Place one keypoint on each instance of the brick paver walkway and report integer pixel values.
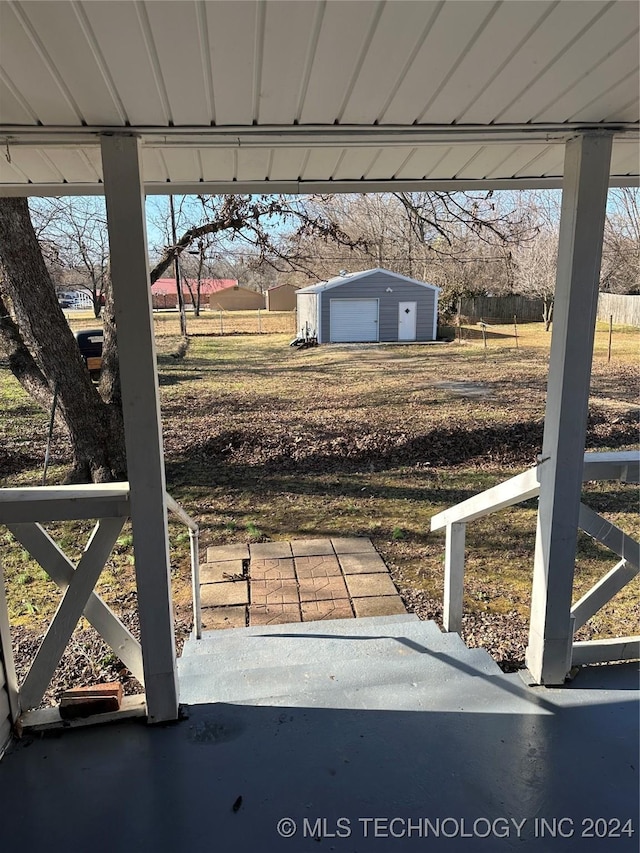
(300, 581)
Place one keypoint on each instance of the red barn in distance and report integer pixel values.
(164, 293)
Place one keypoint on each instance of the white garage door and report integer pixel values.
(354, 320)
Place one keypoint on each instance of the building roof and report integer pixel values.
(338, 280)
(328, 97)
(207, 285)
(278, 286)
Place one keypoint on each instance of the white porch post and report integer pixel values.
(141, 409)
(584, 198)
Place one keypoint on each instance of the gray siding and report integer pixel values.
(375, 286)
(307, 313)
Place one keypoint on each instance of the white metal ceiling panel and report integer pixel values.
(131, 59)
(505, 32)
(549, 162)
(182, 164)
(546, 43)
(576, 61)
(82, 69)
(11, 174)
(625, 158)
(321, 163)
(154, 167)
(32, 72)
(233, 30)
(344, 31)
(286, 164)
(218, 164)
(453, 32)
(486, 161)
(625, 92)
(178, 42)
(454, 161)
(253, 164)
(354, 164)
(34, 165)
(13, 110)
(285, 59)
(590, 88)
(421, 160)
(399, 32)
(520, 156)
(387, 163)
(71, 165)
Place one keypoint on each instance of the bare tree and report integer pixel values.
(535, 271)
(72, 233)
(39, 345)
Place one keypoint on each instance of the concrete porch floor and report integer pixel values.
(412, 727)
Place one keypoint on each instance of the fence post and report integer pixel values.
(259, 323)
(610, 336)
(454, 576)
(515, 326)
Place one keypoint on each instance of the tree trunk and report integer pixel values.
(547, 312)
(95, 428)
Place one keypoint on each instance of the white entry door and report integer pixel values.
(407, 314)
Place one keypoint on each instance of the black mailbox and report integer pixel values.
(90, 346)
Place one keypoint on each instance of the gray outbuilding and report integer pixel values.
(372, 305)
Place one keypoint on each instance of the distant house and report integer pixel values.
(236, 298)
(165, 295)
(282, 297)
(372, 305)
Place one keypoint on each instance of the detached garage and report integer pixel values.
(373, 305)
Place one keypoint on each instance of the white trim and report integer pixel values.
(121, 163)
(318, 318)
(340, 280)
(584, 201)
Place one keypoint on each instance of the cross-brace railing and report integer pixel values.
(22, 511)
(623, 466)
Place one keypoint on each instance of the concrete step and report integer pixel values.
(410, 681)
(325, 626)
(376, 641)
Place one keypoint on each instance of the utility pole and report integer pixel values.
(176, 266)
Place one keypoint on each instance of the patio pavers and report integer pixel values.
(366, 585)
(317, 567)
(226, 592)
(275, 583)
(322, 588)
(352, 545)
(379, 605)
(274, 614)
(218, 553)
(312, 547)
(225, 570)
(270, 550)
(215, 618)
(358, 564)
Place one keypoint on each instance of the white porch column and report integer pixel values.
(584, 198)
(141, 409)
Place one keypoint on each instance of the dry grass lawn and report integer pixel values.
(266, 442)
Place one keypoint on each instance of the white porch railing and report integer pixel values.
(22, 510)
(623, 466)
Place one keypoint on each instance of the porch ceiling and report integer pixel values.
(314, 96)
